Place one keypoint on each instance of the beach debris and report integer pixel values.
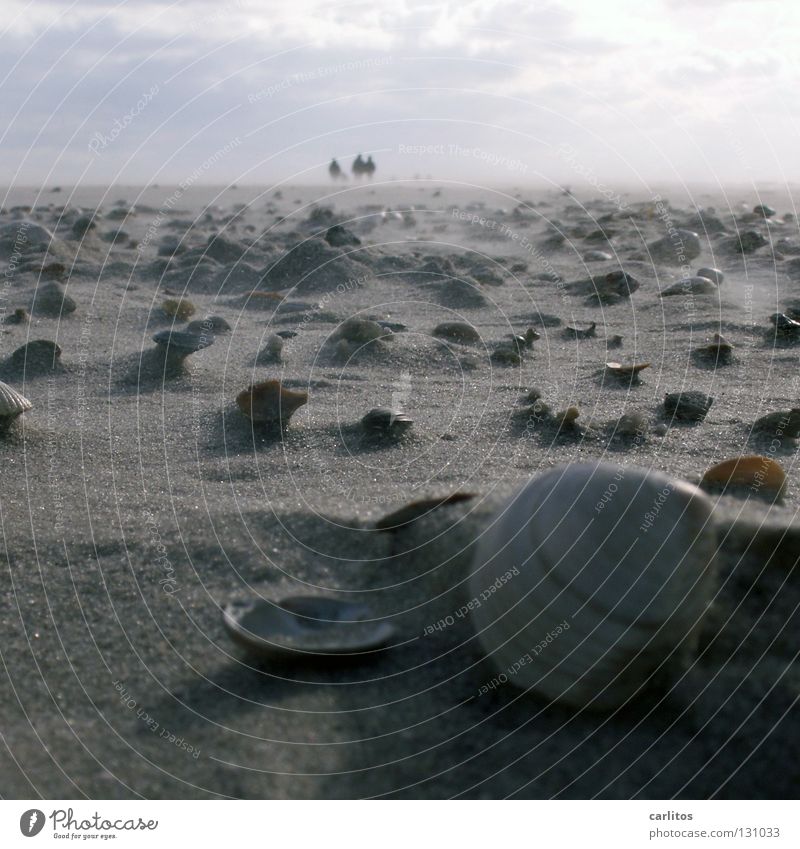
(615, 284)
(213, 324)
(36, 355)
(177, 345)
(586, 332)
(785, 326)
(753, 472)
(748, 242)
(507, 354)
(270, 403)
(340, 237)
(531, 336)
(361, 331)
(458, 331)
(51, 299)
(394, 326)
(597, 610)
(719, 349)
(763, 211)
(690, 286)
(626, 369)
(687, 406)
(179, 308)
(597, 256)
(19, 316)
(12, 405)
(676, 248)
(386, 422)
(632, 423)
(305, 627)
(287, 334)
(712, 274)
(567, 419)
(271, 352)
(83, 225)
(614, 341)
(417, 509)
(783, 424)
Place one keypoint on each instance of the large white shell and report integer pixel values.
(590, 578)
(12, 403)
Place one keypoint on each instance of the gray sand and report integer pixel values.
(118, 679)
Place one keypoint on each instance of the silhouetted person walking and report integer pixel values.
(334, 169)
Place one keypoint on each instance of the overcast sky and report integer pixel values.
(504, 92)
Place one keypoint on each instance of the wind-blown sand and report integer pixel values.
(133, 504)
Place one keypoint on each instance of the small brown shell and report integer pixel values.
(12, 403)
(752, 470)
(269, 402)
(417, 509)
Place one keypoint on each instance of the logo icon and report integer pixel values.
(31, 822)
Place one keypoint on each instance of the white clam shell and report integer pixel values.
(611, 571)
(12, 403)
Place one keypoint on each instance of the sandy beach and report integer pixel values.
(137, 500)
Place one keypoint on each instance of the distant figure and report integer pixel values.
(369, 167)
(358, 166)
(334, 169)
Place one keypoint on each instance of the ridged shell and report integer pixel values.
(589, 578)
(270, 403)
(12, 403)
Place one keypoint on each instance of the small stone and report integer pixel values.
(687, 406)
(763, 211)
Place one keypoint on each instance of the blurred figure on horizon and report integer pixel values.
(335, 170)
(358, 166)
(369, 167)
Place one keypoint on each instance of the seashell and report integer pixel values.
(597, 256)
(37, 355)
(592, 577)
(458, 331)
(51, 299)
(19, 316)
(305, 626)
(361, 331)
(180, 308)
(393, 326)
(687, 406)
(567, 418)
(785, 326)
(385, 421)
(615, 284)
(676, 248)
(712, 274)
(271, 352)
(417, 509)
(785, 423)
(581, 332)
(719, 348)
(631, 424)
(211, 324)
(748, 241)
(177, 345)
(531, 336)
(763, 211)
(287, 334)
(752, 471)
(626, 370)
(507, 355)
(12, 405)
(690, 286)
(270, 403)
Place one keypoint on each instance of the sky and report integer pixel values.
(493, 92)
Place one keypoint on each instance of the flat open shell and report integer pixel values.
(627, 368)
(303, 626)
